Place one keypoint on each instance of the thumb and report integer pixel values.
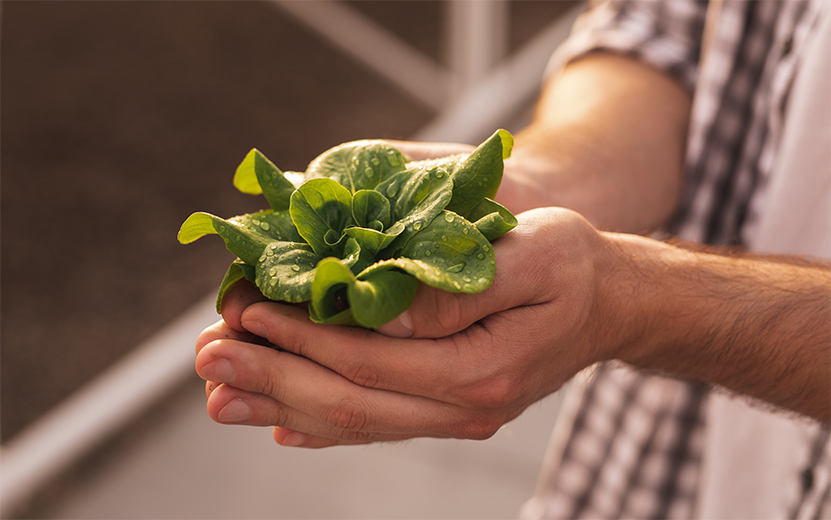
(436, 313)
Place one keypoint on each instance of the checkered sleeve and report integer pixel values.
(665, 35)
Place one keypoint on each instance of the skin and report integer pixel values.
(607, 142)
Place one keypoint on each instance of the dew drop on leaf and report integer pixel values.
(480, 256)
(486, 248)
(392, 189)
(444, 238)
(266, 226)
(272, 271)
(466, 278)
(417, 225)
(369, 172)
(449, 217)
(456, 268)
(295, 268)
(375, 161)
(465, 231)
(273, 281)
(427, 253)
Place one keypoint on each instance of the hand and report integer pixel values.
(472, 363)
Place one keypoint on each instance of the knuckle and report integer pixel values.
(483, 427)
(447, 311)
(363, 374)
(496, 393)
(349, 416)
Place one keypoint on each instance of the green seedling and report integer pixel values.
(355, 233)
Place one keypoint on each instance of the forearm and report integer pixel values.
(756, 326)
(607, 141)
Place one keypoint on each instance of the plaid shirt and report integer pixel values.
(630, 445)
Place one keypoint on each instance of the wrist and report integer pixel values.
(637, 294)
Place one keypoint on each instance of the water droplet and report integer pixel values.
(439, 174)
(479, 183)
(436, 245)
(375, 161)
(266, 226)
(417, 225)
(466, 231)
(480, 256)
(272, 271)
(272, 246)
(295, 268)
(273, 281)
(486, 248)
(467, 272)
(483, 280)
(369, 172)
(449, 217)
(456, 268)
(269, 252)
(427, 253)
(466, 278)
(392, 189)
(444, 238)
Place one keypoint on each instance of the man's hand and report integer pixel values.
(473, 363)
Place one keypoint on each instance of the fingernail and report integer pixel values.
(236, 410)
(220, 370)
(400, 327)
(255, 327)
(294, 439)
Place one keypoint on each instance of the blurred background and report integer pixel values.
(120, 118)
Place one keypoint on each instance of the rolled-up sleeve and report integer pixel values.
(666, 34)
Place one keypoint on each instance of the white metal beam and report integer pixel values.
(486, 104)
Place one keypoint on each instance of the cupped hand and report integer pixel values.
(471, 363)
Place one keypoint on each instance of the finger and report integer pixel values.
(236, 299)
(293, 438)
(420, 367)
(317, 400)
(221, 330)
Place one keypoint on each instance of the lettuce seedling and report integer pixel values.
(355, 233)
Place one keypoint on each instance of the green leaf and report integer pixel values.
(358, 165)
(480, 174)
(374, 241)
(416, 197)
(370, 206)
(370, 302)
(492, 219)
(236, 272)
(256, 175)
(450, 254)
(245, 243)
(321, 209)
(276, 225)
(285, 271)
